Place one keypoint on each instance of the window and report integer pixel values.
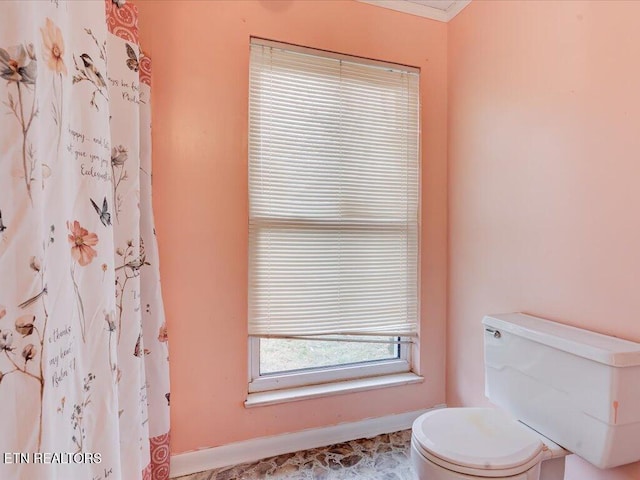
(333, 216)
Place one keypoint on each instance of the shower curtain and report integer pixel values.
(84, 388)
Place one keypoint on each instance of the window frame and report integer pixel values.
(408, 346)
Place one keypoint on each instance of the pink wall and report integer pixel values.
(544, 204)
(200, 54)
(543, 120)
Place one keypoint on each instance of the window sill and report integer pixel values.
(273, 397)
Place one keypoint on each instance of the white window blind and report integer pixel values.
(333, 186)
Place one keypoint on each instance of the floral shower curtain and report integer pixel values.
(84, 390)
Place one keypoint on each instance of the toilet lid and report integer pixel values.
(476, 438)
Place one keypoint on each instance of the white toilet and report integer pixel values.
(560, 390)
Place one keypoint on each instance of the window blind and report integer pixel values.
(333, 194)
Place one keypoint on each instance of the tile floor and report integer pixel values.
(385, 457)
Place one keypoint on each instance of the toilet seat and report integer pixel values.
(483, 442)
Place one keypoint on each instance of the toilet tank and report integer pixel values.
(578, 388)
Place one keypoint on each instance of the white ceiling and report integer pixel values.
(442, 10)
(439, 4)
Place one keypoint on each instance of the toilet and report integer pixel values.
(559, 390)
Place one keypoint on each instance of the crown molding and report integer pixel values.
(421, 10)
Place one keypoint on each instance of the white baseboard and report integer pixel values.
(264, 447)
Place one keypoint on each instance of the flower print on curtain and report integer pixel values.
(18, 68)
(53, 55)
(82, 252)
(83, 338)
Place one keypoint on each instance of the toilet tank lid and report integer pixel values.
(601, 348)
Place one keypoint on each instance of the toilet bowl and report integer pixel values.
(481, 443)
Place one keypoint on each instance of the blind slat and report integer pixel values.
(333, 195)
